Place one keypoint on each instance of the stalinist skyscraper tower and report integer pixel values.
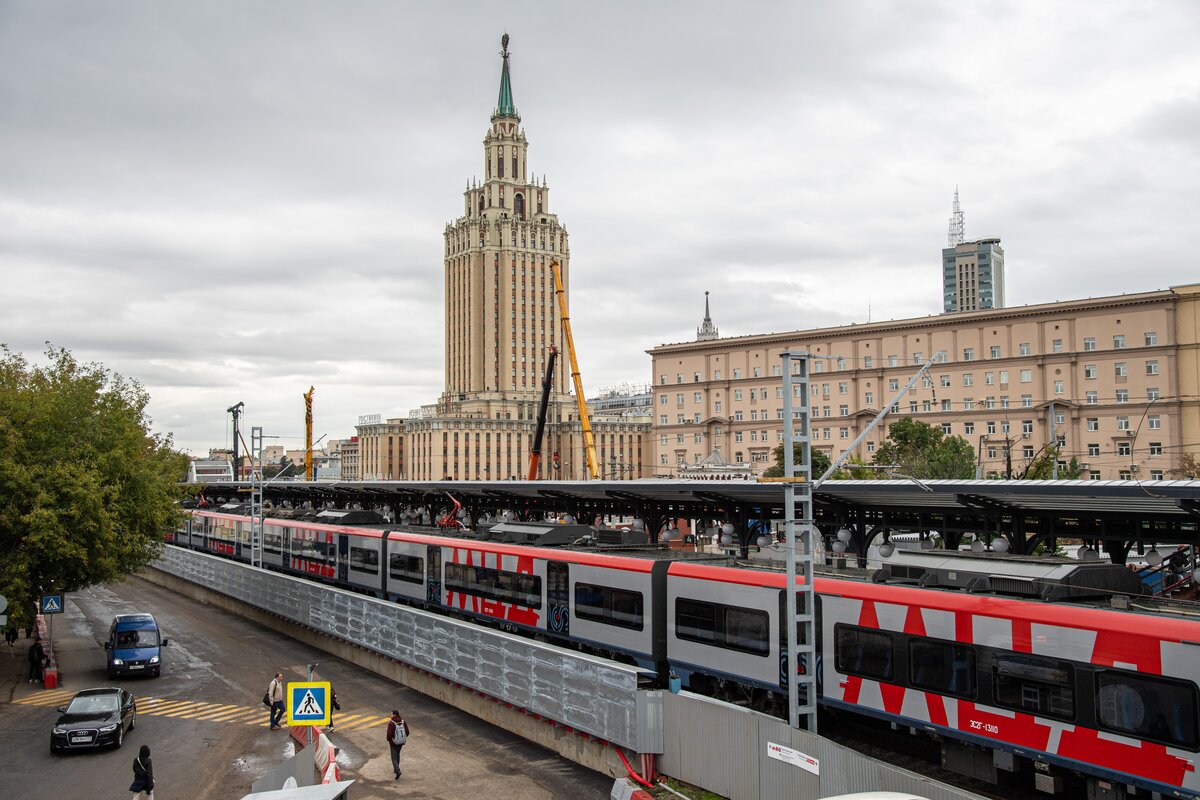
(501, 321)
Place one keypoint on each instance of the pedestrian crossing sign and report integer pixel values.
(52, 603)
(309, 703)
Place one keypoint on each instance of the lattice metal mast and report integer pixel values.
(957, 234)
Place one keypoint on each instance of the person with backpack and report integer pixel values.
(397, 736)
(37, 660)
(274, 700)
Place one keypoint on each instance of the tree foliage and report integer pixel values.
(923, 451)
(1041, 468)
(820, 461)
(86, 490)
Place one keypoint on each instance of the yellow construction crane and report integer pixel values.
(589, 441)
(308, 442)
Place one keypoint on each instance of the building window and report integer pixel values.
(989, 378)
(1154, 422)
(1119, 342)
(1151, 338)
(917, 357)
(946, 406)
(1151, 367)
(969, 428)
(892, 361)
(1122, 423)
(991, 453)
(1156, 474)
(737, 416)
(991, 427)
(843, 433)
(1125, 475)
(1156, 448)
(1026, 376)
(818, 365)
(1093, 424)
(662, 420)
(1027, 451)
(1089, 344)
(1026, 426)
(1120, 369)
(1089, 372)
(1093, 450)
(679, 377)
(968, 404)
(737, 394)
(868, 362)
(716, 375)
(717, 407)
(843, 410)
(1024, 348)
(1056, 346)
(737, 373)
(1122, 395)
(869, 397)
(1026, 401)
(1092, 398)
(968, 354)
(843, 387)
(968, 379)
(737, 437)
(946, 428)
(894, 385)
(1152, 393)
(995, 351)
(695, 377)
(758, 372)
(698, 397)
(870, 447)
(1059, 387)
(696, 439)
(1123, 448)
(945, 381)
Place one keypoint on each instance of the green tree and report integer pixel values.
(86, 490)
(285, 469)
(820, 462)
(1041, 468)
(923, 451)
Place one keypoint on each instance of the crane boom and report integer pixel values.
(589, 441)
(535, 452)
(308, 442)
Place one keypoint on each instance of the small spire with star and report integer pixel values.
(505, 106)
(706, 330)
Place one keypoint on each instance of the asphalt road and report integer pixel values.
(207, 728)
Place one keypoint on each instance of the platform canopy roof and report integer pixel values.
(1115, 501)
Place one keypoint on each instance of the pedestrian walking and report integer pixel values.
(334, 705)
(275, 695)
(37, 660)
(10, 635)
(397, 736)
(143, 776)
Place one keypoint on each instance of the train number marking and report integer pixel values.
(986, 727)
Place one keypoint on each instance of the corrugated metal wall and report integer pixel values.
(587, 693)
(723, 748)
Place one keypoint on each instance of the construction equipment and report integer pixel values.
(589, 441)
(308, 442)
(535, 452)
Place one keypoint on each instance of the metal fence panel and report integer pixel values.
(723, 748)
(589, 694)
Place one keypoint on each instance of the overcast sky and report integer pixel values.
(234, 200)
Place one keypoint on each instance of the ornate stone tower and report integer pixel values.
(500, 308)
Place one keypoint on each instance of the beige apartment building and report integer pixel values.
(501, 318)
(1116, 378)
(349, 454)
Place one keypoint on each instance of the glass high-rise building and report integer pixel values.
(973, 276)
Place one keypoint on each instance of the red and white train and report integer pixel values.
(1064, 695)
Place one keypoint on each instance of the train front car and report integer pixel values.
(1078, 695)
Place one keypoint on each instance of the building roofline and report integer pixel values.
(944, 320)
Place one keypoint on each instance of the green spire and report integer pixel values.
(504, 106)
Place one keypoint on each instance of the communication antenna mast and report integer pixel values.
(957, 234)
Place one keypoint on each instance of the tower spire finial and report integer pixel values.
(706, 330)
(505, 106)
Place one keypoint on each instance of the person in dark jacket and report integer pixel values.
(37, 660)
(397, 736)
(143, 776)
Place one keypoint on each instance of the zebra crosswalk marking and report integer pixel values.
(187, 709)
(360, 724)
(51, 698)
(220, 711)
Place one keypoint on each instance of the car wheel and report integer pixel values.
(133, 720)
(120, 736)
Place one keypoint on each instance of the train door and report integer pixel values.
(343, 557)
(558, 597)
(433, 575)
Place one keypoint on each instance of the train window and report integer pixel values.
(1034, 684)
(518, 588)
(1158, 709)
(942, 667)
(746, 630)
(695, 621)
(609, 606)
(364, 559)
(406, 568)
(865, 652)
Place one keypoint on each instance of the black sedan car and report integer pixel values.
(94, 718)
